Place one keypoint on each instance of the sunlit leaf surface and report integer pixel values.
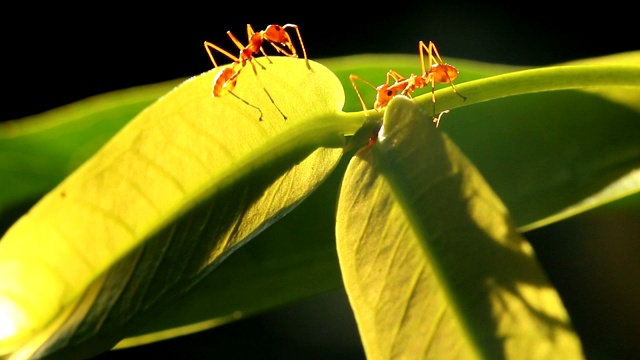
(548, 155)
(431, 261)
(160, 205)
(542, 153)
(38, 151)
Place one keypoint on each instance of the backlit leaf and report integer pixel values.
(432, 263)
(181, 187)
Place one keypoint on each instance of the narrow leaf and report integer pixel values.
(431, 261)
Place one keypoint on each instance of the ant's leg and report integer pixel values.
(431, 49)
(264, 53)
(257, 62)
(280, 40)
(433, 99)
(304, 51)
(208, 46)
(274, 103)
(456, 90)
(397, 77)
(246, 102)
(235, 40)
(433, 94)
(421, 48)
(402, 84)
(434, 50)
(255, 71)
(242, 49)
(437, 120)
(354, 77)
(280, 49)
(250, 31)
(225, 82)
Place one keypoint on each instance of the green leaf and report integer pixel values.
(133, 225)
(293, 259)
(518, 142)
(552, 155)
(39, 151)
(552, 141)
(432, 263)
(627, 96)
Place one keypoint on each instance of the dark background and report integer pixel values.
(52, 57)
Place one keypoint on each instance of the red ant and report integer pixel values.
(386, 91)
(436, 72)
(275, 35)
(225, 81)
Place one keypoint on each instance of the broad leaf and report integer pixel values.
(38, 151)
(432, 263)
(548, 155)
(494, 134)
(554, 154)
(181, 187)
(293, 259)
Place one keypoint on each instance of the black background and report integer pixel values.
(54, 56)
(51, 57)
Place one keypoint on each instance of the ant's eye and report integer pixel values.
(277, 27)
(389, 93)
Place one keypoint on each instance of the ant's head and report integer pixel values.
(277, 34)
(385, 94)
(443, 73)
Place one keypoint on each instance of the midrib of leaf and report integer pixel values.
(349, 127)
(614, 77)
(552, 78)
(280, 144)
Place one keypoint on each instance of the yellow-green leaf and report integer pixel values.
(182, 186)
(431, 260)
(38, 151)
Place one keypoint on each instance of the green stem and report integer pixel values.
(550, 78)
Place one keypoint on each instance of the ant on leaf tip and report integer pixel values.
(225, 81)
(275, 35)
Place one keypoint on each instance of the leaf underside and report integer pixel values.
(542, 153)
(180, 188)
(431, 261)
